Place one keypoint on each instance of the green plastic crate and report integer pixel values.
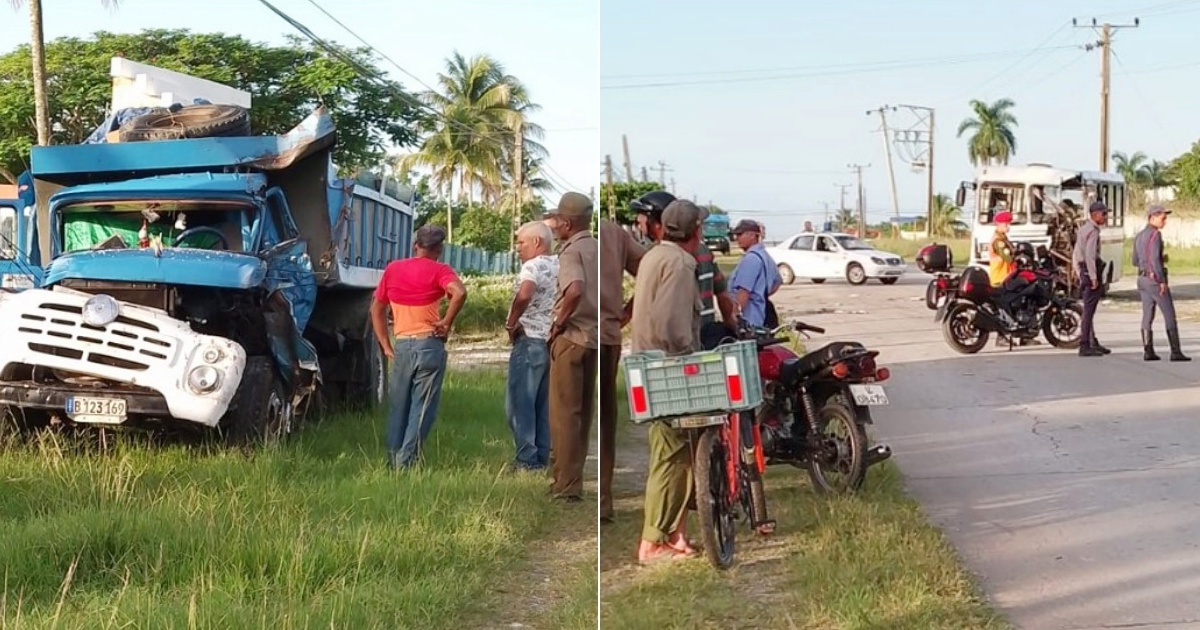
(724, 379)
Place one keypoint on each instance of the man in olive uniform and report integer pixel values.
(1150, 261)
(1086, 258)
(666, 317)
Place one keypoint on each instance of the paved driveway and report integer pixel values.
(1071, 486)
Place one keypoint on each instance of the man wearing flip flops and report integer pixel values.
(666, 317)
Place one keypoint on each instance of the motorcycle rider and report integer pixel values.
(1003, 273)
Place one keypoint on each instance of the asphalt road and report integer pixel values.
(1069, 485)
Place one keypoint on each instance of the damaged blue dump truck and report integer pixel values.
(217, 282)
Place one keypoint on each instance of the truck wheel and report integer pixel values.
(193, 121)
(376, 385)
(12, 425)
(259, 413)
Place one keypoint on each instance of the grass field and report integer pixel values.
(864, 562)
(312, 534)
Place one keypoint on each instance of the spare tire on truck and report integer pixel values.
(192, 121)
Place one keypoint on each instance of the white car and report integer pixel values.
(819, 257)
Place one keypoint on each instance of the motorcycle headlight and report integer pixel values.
(204, 379)
(100, 310)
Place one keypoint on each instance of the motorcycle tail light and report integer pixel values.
(883, 374)
(866, 366)
(942, 283)
(841, 370)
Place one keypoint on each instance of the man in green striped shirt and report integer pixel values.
(714, 289)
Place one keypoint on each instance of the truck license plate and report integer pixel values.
(869, 395)
(97, 410)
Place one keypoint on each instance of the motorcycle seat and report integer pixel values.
(792, 371)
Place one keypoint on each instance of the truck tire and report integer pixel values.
(193, 121)
(372, 389)
(259, 412)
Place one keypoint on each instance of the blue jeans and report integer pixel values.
(416, 389)
(527, 403)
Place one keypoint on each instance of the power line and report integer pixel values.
(374, 74)
(833, 71)
(1042, 46)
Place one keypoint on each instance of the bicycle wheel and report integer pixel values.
(713, 504)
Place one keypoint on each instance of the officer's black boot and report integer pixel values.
(1176, 352)
(1148, 346)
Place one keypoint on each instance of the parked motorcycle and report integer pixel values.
(938, 261)
(816, 407)
(1033, 301)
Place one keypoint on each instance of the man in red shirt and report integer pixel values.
(412, 289)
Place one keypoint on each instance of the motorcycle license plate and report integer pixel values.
(697, 422)
(869, 395)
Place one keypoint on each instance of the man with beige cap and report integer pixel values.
(666, 317)
(574, 345)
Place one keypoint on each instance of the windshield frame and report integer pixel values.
(242, 206)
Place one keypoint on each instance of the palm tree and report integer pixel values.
(41, 102)
(993, 141)
(1159, 174)
(845, 219)
(945, 217)
(1134, 168)
(473, 143)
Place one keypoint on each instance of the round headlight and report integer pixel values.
(204, 379)
(212, 354)
(100, 310)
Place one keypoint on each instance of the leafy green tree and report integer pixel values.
(992, 140)
(845, 219)
(946, 216)
(615, 199)
(1185, 169)
(286, 82)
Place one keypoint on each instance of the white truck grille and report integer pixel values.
(57, 329)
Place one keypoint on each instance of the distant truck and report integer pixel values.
(218, 282)
(716, 232)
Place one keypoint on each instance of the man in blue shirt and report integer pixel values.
(755, 277)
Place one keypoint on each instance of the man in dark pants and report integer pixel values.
(619, 254)
(1086, 258)
(1152, 284)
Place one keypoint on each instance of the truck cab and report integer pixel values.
(181, 284)
(716, 233)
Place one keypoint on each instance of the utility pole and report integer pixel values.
(861, 205)
(672, 185)
(645, 177)
(914, 136)
(628, 163)
(887, 152)
(518, 180)
(662, 173)
(1105, 46)
(842, 204)
(608, 179)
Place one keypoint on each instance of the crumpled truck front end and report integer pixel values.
(92, 359)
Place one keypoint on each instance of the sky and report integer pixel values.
(552, 46)
(759, 106)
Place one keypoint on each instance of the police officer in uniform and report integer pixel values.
(1086, 258)
(1150, 261)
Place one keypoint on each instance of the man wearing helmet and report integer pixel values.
(713, 286)
(1002, 263)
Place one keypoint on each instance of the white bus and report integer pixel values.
(1043, 198)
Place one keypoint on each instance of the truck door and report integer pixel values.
(290, 277)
